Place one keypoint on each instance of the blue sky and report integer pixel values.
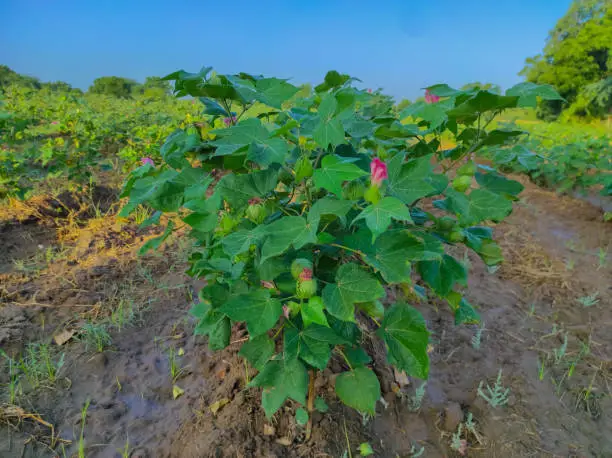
(401, 46)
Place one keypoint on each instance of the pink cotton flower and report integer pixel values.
(306, 274)
(147, 160)
(369, 91)
(286, 311)
(54, 122)
(228, 121)
(378, 172)
(431, 98)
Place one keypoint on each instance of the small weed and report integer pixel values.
(602, 256)
(457, 444)
(560, 352)
(570, 263)
(141, 214)
(81, 449)
(175, 368)
(416, 450)
(123, 315)
(96, 336)
(414, 403)
(125, 452)
(477, 337)
(496, 396)
(13, 378)
(589, 301)
(38, 365)
(532, 309)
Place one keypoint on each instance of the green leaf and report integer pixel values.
(238, 189)
(397, 130)
(405, 334)
(422, 246)
(257, 308)
(390, 256)
(313, 344)
(321, 405)
(480, 205)
(466, 314)
(359, 389)
(498, 137)
(281, 380)
(270, 151)
(528, 93)
(334, 171)
(154, 243)
(442, 274)
(357, 356)
(365, 449)
(433, 113)
(201, 222)
(236, 137)
(329, 129)
(499, 184)
(212, 107)
(273, 91)
(378, 216)
(353, 284)
(328, 206)
(301, 416)
(312, 312)
(215, 325)
(258, 350)
(412, 180)
(238, 242)
(482, 102)
(333, 79)
(285, 232)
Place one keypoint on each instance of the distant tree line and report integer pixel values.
(115, 86)
(577, 61)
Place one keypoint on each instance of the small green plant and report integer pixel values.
(477, 337)
(174, 364)
(323, 206)
(496, 396)
(13, 382)
(96, 336)
(81, 445)
(414, 403)
(123, 314)
(365, 449)
(559, 353)
(457, 444)
(38, 364)
(602, 256)
(416, 450)
(570, 263)
(589, 301)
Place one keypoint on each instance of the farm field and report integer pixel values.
(114, 343)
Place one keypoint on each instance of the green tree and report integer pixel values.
(404, 103)
(114, 86)
(154, 87)
(577, 52)
(9, 76)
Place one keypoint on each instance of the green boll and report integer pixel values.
(294, 308)
(462, 183)
(303, 168)
(306, 288)
(456, 236)
(256, 213)
(354, 190)
(298, 265)
(468, 169)
(445, 223)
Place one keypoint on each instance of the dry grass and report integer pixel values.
(528, 264)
